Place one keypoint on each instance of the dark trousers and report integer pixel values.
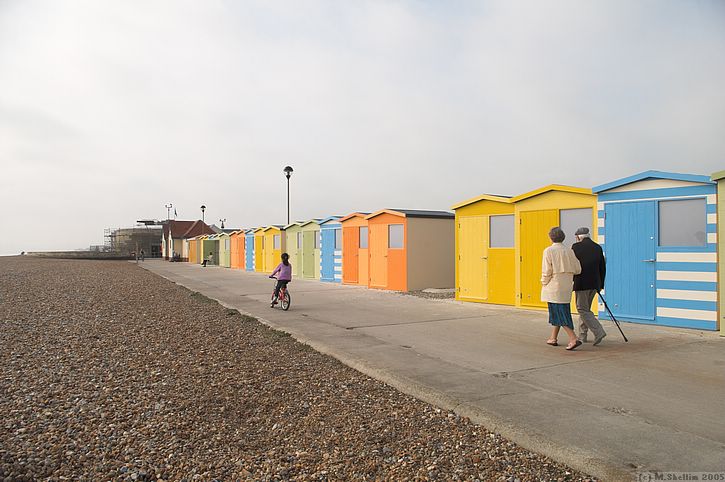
(282, 283)
(587, 320)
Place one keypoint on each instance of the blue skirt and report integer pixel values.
(560, 315)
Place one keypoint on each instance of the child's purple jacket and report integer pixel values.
(285, 272)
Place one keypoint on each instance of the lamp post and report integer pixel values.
(168, 210)
(203, 208)
(223, 221)
(288, 173)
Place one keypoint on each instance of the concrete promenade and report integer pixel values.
(655, 403)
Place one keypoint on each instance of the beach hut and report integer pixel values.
(200, 248)
(273, 246)
(719, 177)
(210, 245)
(249, 249)
(192, 249)
(485, 256)
(225, 250)
(331, 250)
(659, 234)
(411, 250)
(237, 249)
(259, 250)
(536, 212)
(293, 235)
(355, 249)
(310, 253)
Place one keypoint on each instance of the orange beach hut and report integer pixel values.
(237, 249)
(355, 249)
(410, 249)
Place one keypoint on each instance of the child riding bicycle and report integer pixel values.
(285, 276)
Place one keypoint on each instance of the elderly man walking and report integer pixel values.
(588, 283)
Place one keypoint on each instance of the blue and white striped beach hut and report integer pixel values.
(249, 249)
(331, 250)
(659, 234)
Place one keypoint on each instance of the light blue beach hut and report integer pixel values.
(331, 250)
(249, 249)
(659, 234)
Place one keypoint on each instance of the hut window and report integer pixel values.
(683, 222)
(395, 236)
(338, 239)
(299, 240)
(317, 239)
(572, 219)
(226, 244)
(276, 240)
(363, 237)
(502, 231)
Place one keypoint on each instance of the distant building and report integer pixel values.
(174, 234)
(132, 240)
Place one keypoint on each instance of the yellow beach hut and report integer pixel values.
(192, 250)
(273, 246)
(536, 212)
(259, 250)
(485, 250)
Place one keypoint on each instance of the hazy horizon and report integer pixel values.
(110, 110)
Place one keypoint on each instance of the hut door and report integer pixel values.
(350, 254)
(327, 254)
(363, 258)
(379, 255)
(258, 259)
(308, 254)
(534, 236)
(473, 257)
(630, 251)
(249, 252)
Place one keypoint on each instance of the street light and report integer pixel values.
(203, 208)
(168, 210)
(288, 173)
(223, 221)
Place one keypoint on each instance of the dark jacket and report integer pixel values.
(594, 267)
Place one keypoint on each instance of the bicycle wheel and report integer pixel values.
(286, 301)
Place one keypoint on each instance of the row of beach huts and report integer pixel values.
(659, 231)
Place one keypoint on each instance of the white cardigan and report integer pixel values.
(558, 267)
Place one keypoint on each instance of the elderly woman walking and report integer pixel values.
(558, 267)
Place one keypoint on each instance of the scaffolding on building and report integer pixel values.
(128, 241)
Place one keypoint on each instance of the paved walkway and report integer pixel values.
(655, 403)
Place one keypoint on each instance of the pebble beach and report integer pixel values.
(109, 372)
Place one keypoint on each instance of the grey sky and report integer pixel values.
(109, 110)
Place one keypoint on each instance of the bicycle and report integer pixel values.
(284, 297)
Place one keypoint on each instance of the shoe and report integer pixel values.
(599, 339)
(574, 346)
(552, 343)
(583, 339)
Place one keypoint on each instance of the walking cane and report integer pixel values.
(610, 314)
